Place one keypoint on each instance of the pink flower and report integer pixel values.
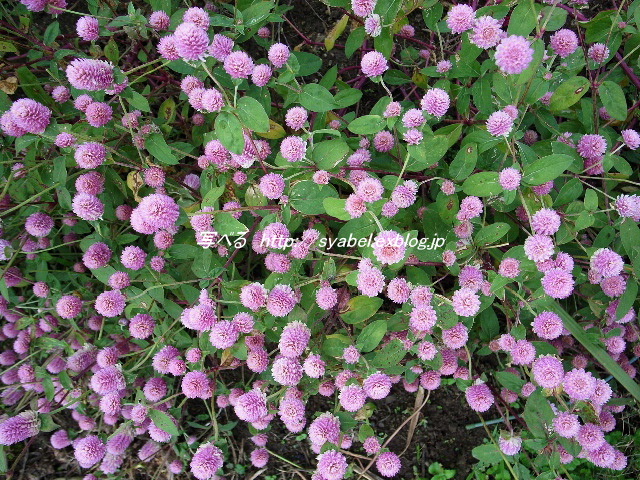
(522, 353)
(373, 64)
(69, 306)
(142, 325)
(631, 138)
(510, 445)
(98, 114)
(413, 136)
(558, 283)
(30, 116)
(373, 25)
(362, 8)
(435, 102)
(545, 221)
(287, 371)
(296, 117)
(509, 267)
(159, 20)
(221, 47)
(389, 247)
(326, 297)
(332, 465)
(383, 141)
(479, 397)
(370, 281)
(191, 41)
(499, 124)
(547, 371)
(377, 385)
(510, 178)
(272, 185)
(278, 54)
(238, 65)
(38, 224)
(352, 398)
(110, 303)
(486, 32)
(294, 339)
(547, 325)
(90, 74)
(592, 146)
(566, 424)
(197, 385)
(224, 334)
(598, 52)
(88, 28)
(465, 302)
(90, 155)
(590, 437)
(579, 384)
(513, 54)
(281, 300)
(19, 428)
(198, 16)
(606, 263)
(388, 464)
(398, 290)
(89, 450)
(539, 248)
(456, 336)
(293, 148)
(207, 460)
(460, 18)
(564, 42)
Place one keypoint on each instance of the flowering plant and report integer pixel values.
(211, 230)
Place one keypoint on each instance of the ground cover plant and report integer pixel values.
(231, 244)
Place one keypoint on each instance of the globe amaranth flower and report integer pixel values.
(9, 125)
(191, 41)
(435, 102)
(159, 20)
(98, 114)
(272, 185)
(466, 302)
(221, 47)
(88, 28)
(592, 146)
(398, 290)
(373, 25)
(90, 74)
(413, 136)
(631, 138)
(294, 339)
(261, 75)
(141, 326)
(238, 65)
(513, 54)
(370, 281)
(510, 178)
(167, 48)
(97, 255)
(19, 428)
(598, 52)
(460, 18)
(89, 451)
(486, 32)
(287, 371)
(510, 444)
(69, 306)
(377, 385)
(479, 397)
(30, 116)
(293, 148)
(90, 155)
(197, 385)
(566, 424)
(278, 54)
(155, 212)
(456, 336)
(564, 42)
(547, 371)
(388, 464)
(198, 16)
(332, 465)
(579, 384)
(538, 248)
(389, 247)
(545, 221)
(38, 224)
(326, 297)
(281, 300)
(60, 94)
(499, 124)
(362, 8)
(207, 460)
(352, 398)
(373, 64)
(606, 263)
(110, 303)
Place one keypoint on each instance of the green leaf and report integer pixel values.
(390, 355)
(568, 93)
(31, 86)
(464, 163)
(627, 299)
(316, 98)
(212, 195)
(613, 99)
(51, 33)
(157, 146)
(225, 224)
(252, 114)
(538, 413)
(482, 184)
(488, 453)
(546, 169)
(138, 101)
(111, 51)
(428, 153)
(510, 380)
(307, 197)
(309, 63)
(328, 154)
(347, 97)
(524, 19)
(371, 336)
(491, 233)
(360, 308)
(354, 41)
(367, 124)
(630, 236)
(163, 422)
(229, 131)
(335, 208)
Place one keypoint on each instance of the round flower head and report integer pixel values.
(373, 25)
(545, 221)
(41, 290)
(238, 65)
(191, 41)
(423, 318)
(392, 110)
(370, 281)
(90, 74)
(221, 47)
(413, 118)
(510, 445)
(579, 384)
(398, 290)
(486, 32)
(111, 303)
(207, 460)
(373, 64)
(470, 207)
(564, 42)
(30, 116)
(133, 257)
(383, 141)
(362, 8)
(141, 326)
(513, 54)
(499, 124)
(9, 125)
(196, 385)
(198, 16)
(38, 224)
(456, 336)
(90, 155)
(224, 334)
(547, 325)
(281, 301)
(325, 428)
(326, 297)
(69, 306)
(19, 428)
(413, 136)
(278, 54)
(159, 20)
(631, 138)
(91, 183)
(157, 211)
(167, 48)
(89, 451)
(88, 28)
(509, 267)
(522, 353)
(296, 117)
(466, 302)
(251, 406)
(538, 248)
(253, 296)
(590, 437)
(598, 52)
(606, 263)
(566, 424)
(460, 18)
(435, 102)
(388, 464)
(98, 114)
(370, 189)
(558, 283)
(332, 465)
(352, 398)
(287, 371)
(543, 189)
(479, 397)
(547, 371)
(389, 247)
(510, 178)
(108, 380)
(272, 185)
(293, 148)
(377, 385)
(60, 94)
(294, 339)
(592, 146)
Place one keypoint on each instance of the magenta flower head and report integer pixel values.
(486, 32)
(461, 18)
(191, 41)
(90, 74)
(606, 263)
(362, 8)
(294, 339)
(64, 140)
(373, 64)
(389, 247)
(261, 75)
(499, 124)
(19, 428)
(157, 211)
(90, 155)
(30, 116)
(332, 465)
(566, 424)
(159, 20)
(197, 385)
(538, 248)
(388, 464)
(60, 94)
(278, 54)
(352, 398)
(287, 371)
(435, 102)
(111, 303)
(479, 397)
(546, 221)
(293, 148)
(9, 125)
(509, 177)
(221, 47)
(598, 52)
(253, 296)
(466, 302)
(296, 117)
(133, 257)
(547, 325)
(141, 326)
(89, 451)
(547, 371)
(69, 306)
(251, 406)
(579, 384)
(197, 15)
(377, 385)
(98, 114)
(564, 42)
(272, 185)
(88, 28)
(38, 224)
(108, 380)
(281, 301)
(370, 281)
(238, 65)
(592, 146)
(514, 54)
(631, 138)
(207, 460)
(167, 48)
